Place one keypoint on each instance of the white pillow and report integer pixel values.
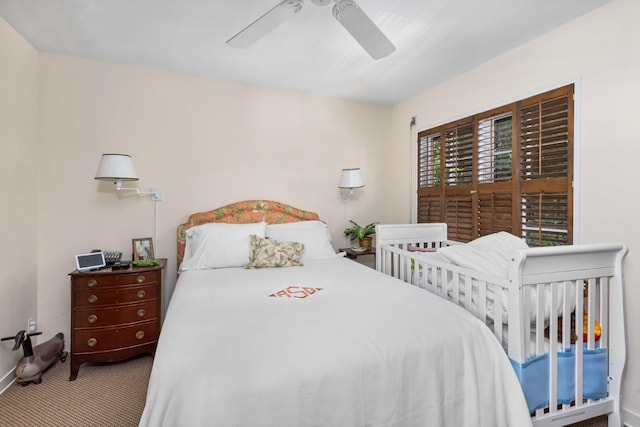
(489, 254)
(313, 234)
(219, 245)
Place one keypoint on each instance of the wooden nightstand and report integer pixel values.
(351, 254)
(115, 314)
(367, 257)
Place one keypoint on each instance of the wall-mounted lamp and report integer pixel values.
(118, 168)
(350, 179)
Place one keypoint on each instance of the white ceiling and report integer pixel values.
(310, 53)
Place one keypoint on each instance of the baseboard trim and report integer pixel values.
(7, 380)
(630, 419)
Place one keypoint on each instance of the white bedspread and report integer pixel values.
(362, 348)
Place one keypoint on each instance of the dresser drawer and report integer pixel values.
(98, 297)
(95, 317)
(96, 340)
(98, 281)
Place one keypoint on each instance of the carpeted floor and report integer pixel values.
(109, 395)
(103, 395)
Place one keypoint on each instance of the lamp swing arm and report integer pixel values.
(156, 193)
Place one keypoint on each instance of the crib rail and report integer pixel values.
(571, 293)
(425, 236)
(472, 290)
(551, 284)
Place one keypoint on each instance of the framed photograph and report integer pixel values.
(143, 249)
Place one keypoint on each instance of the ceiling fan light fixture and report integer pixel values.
(362, 28)
(347, 12)
(264, 24)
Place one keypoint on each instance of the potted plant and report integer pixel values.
(360, 233)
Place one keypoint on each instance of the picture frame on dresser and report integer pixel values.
(142, 249)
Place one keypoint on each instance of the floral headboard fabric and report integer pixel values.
(245, 212)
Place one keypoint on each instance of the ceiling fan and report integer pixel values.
(347, 12)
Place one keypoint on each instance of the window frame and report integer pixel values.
(463, 205)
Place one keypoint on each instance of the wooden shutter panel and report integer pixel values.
(545, 219)
(429, 177)
(546, 168)
(544, 139)
(495, 188)
(429, 208)
(495, 213)
(459, 217)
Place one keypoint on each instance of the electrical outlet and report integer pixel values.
(156, 195)
(32, 325)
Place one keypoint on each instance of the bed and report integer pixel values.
(557, 311)
(329, 343)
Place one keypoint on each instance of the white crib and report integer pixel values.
(568, 379)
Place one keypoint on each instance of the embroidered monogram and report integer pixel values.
(296, 292)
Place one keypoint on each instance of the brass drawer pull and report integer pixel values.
(92, 299)
(140, 335)
(92, 283)
(141, 312)
(92, 318)
(141, 294)
(140, 278)
(91, 342)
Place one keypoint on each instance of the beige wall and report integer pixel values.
(18, 168)
(205, 143)
(599, 53)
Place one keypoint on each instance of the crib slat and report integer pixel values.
(467, 293)
(539, 316)
(566, 312)
(553, 343)
(482, 300)
(578, 347)
(591, 313)
(604, 311)
(498, 314)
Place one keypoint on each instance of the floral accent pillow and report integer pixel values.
(265, 253)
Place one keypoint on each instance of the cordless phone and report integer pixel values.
(110, 257)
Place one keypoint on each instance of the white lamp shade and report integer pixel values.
(116, 167)
(351, 178)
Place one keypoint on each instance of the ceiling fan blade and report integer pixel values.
(362, 28)
(267, 22)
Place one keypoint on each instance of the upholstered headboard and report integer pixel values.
(244, 212)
